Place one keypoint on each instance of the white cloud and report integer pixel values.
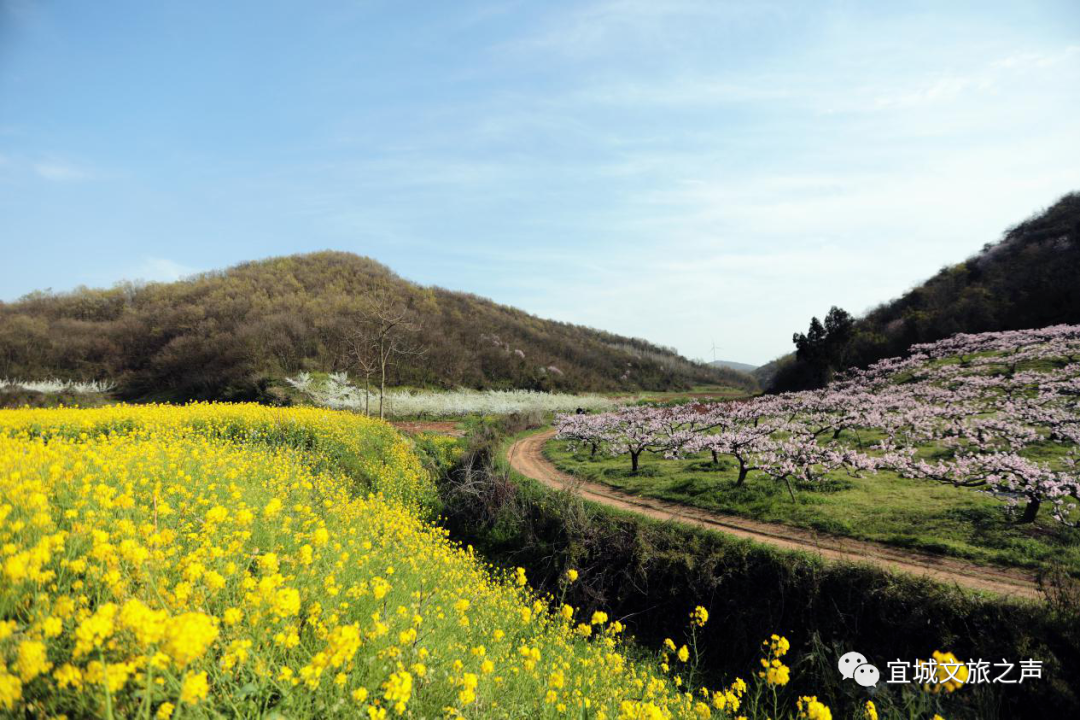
(942, 89)
(1037, 60)
(993, 76)
(598, 28)
(691, 91)
(60, 172)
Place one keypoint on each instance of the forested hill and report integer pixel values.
(232, 334)
(1028, 279)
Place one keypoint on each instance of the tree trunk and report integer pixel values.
(1031, 510)
(382, 388)
(592, 452)
(634, 461)
(715, 458)
(836, 435)
(743, 472)
(790, 489)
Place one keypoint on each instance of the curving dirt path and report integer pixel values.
(527, 457)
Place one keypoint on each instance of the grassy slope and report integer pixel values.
(884, 507)
(698, 392)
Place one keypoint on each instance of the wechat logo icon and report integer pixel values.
(854, 666)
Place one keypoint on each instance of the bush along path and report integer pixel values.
(526, 456)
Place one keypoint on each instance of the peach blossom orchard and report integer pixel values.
(983, 403)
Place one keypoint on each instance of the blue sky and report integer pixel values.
(683, 171)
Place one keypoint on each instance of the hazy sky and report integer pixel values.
(687, 172)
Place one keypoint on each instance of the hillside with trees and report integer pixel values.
(1028, 279)
(234, 334)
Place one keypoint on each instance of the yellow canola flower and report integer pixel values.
(811, 709)
(52, 627)
(94, 630)
(32, 660)
(67, 675)
(287, 602)
(398, 690)
(272, 509)
(191, 551)
(188, 636)
(949, 673)
(776, 673)
(10, 689)
(269, 563)
(467, 695)
(146, 624)
(113, 676)
(194, 689)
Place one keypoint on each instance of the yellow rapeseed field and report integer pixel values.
(371, 452)
(220, 560)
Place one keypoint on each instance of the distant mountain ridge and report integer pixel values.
(233, 334)
(740, 366)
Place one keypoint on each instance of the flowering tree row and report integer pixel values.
(76, 387)
(762, 435)
(971, 411)
(336, 391)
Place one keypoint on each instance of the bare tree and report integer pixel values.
(384, 335)
(359, 354)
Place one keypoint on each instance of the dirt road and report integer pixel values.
(527, 457)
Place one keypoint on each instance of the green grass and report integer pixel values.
(885, 508)
(709, 392)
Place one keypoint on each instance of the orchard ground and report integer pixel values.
(708, 393)
(953, 449)
(881, 507)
